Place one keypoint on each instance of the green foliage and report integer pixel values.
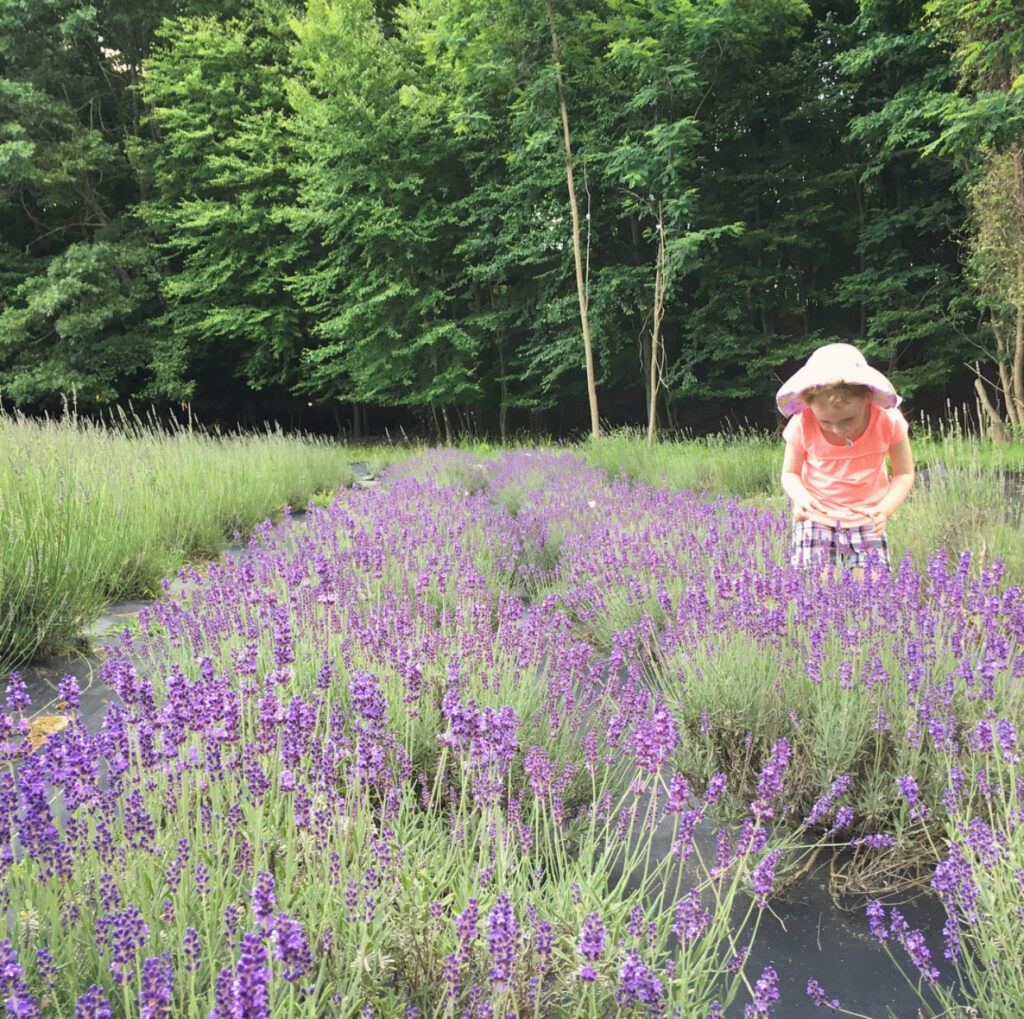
(217, 172)
(376, 178)
(88, 314)
(906, 286)
(366, 202)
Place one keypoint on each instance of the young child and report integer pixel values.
(843, 423)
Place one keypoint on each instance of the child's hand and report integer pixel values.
(878, 517)
(804, 505)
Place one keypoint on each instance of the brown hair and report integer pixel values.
(834, 393)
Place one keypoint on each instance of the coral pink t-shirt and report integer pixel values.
(848, 480)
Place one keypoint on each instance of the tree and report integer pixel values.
(906, 285)
(983, 127)
(581, 282)
(216, 171)
(378, 178)
(78, 273)
(78, 278)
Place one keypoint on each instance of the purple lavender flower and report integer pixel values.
(763, 876)
(224, 1004)
(190, 949)
(502, 940)
(291, 947)
(655, 739)
(1007, 735)
(715, 789)
(46, 969)
(367, 698)
(678, 794)
(591, 944)
(874, 841)
(539, 770)
(465, 923)
(252, 979)
(772, 775)
(127, 932)
(691, 919)
(93, 1005)
(839, 787)
(908, 787)
(638, 985)
(17, 698)
(817, 994)
(19, 1003)
(875, 913)
(766, 993)
(914, 943)
(232, 916)
(843, 820)
(735, 963)
(68, 692)
(157, 988)
(543, 941)
(635, 926)
(263, 899)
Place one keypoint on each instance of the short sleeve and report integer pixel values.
(793, 433)
(899, 425)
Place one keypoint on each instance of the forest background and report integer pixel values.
(348, 215)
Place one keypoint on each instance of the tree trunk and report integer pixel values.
(996, 428)
(1004, 355)
(503, 409)
(659, 308)
(447, 426)
(862, 329)
(645, 364)
(581, 287)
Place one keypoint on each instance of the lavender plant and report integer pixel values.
(351, 772)
(457, 748)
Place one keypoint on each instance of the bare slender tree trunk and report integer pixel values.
(987, 409)
(581, 287)
(656, 345)
(1016, 396)
(503, 409)
(996, 428)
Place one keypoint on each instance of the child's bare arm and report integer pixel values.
(793, 486)
(902, 481)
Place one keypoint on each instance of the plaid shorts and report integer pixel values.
(850, 546)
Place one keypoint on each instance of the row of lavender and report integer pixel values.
(412, 759)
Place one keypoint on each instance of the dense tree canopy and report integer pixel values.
(362, 206)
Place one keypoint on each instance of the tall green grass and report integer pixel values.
(744, 464)
(92, 513)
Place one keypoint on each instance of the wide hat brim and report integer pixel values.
(838, 362)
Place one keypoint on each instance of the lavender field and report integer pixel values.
(505, 737)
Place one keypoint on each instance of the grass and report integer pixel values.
(92, 514)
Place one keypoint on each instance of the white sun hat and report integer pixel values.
(835, 362)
